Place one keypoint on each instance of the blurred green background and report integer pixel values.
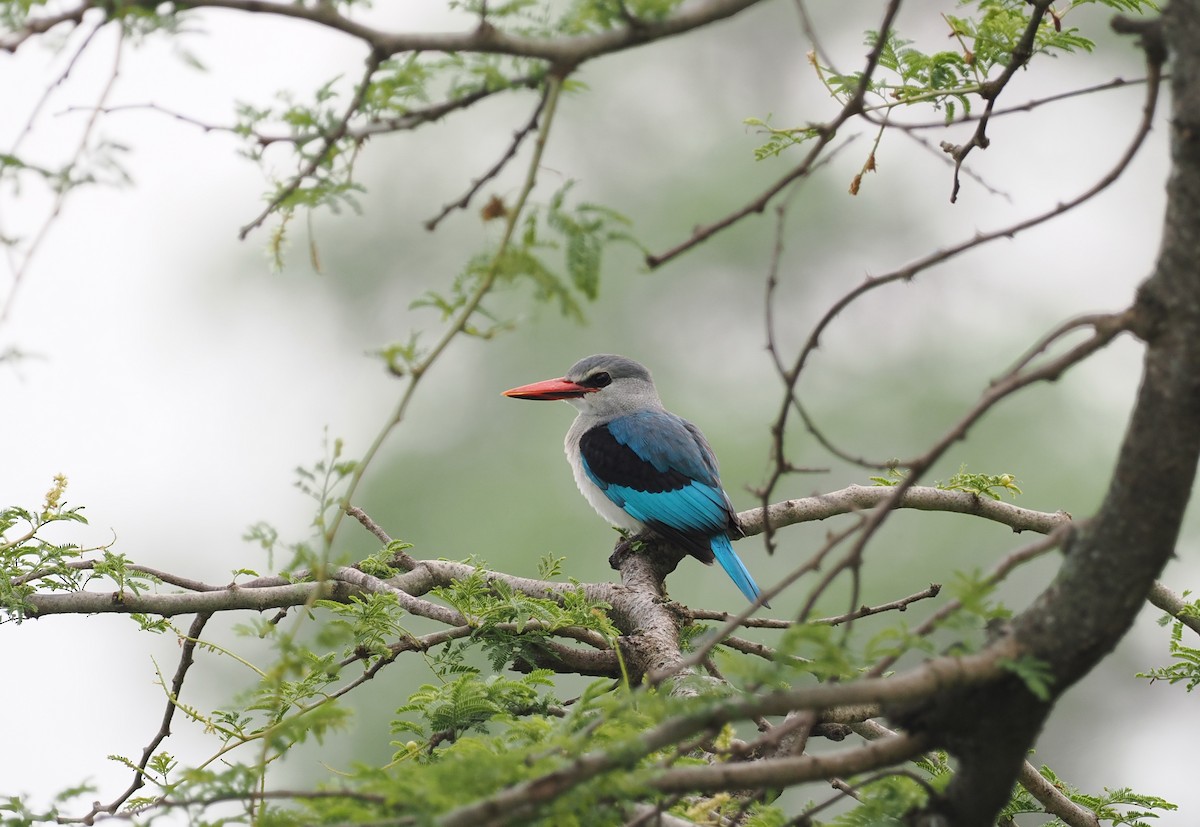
(180, 380)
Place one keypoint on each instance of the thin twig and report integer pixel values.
(63, 191)
(997, 392)
(33, 26)
(908, 272)
(1028, 106)
(186, 659)
(896, 605)
(998, 572)
(940, 154)
(991, 90)
(411, 119)
(1092, 320)
(751, 647)
(50, 87)
(749, 622)
(825, 134)
(369, 524)
(463, 317)
(1176, 605)
(329, 141)
(517, 139)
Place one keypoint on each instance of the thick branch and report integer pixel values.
(922, 498)
(1112, 560)
(563, 52)
(169, 605)
(511, 804)
(782, 772)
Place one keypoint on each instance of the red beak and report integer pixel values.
(550, 389)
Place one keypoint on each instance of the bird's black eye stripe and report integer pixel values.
(597, 380)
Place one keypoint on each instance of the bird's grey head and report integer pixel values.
(603, 386)
(620, 385)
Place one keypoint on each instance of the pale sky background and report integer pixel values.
(177, 381)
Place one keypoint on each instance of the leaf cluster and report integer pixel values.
(472, 702)
(30, 561)
(472, 732)
(558, 251)
(1186, 666)
(988, 35)
(324, 133)
(981, 485)
(883, 800)
(16, 812)
(513, 626)
(364, 627)
(1115, 807)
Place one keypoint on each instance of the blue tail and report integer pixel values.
(734, 567)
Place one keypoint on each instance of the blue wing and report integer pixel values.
(660, 470)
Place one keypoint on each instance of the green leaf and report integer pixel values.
(1185, 669)
(1036, 675)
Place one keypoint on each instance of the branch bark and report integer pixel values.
(922, 498)
(1174, 605)
(1110, 561)
(272, 592)
(565, 53)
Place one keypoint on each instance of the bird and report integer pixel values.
(641, 466)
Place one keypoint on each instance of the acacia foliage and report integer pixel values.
(664, 722)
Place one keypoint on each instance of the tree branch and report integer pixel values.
(517, 139)
(784, 772)
(859, 498)
(33, 26)
(1053, 799)
(562, 52)
(992, 89)
(329, 141)
(169, 605)
(1174, 605)
(1110, 562)
(908, 272)
(517, 801)
(865, 611)
(186, 659)
(826, 133)
(410, 119)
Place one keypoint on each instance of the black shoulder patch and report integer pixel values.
(617, 464)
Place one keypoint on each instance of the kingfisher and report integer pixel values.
(642, 467)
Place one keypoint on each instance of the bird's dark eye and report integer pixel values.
(597, 380)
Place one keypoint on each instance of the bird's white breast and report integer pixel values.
(605, 507)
